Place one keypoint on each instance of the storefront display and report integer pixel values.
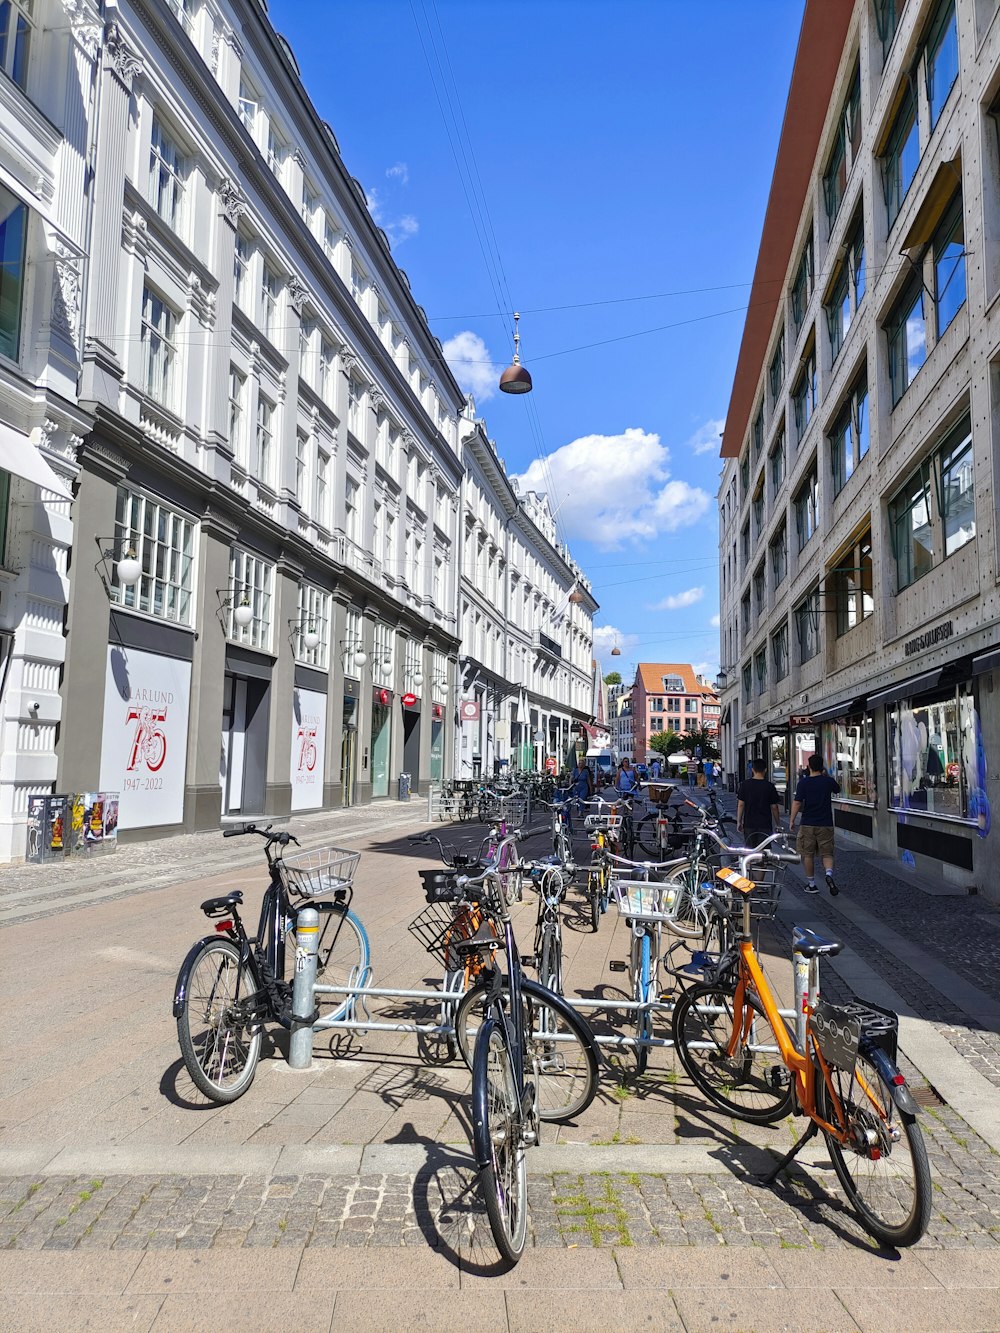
(933, 754)
(308, 749)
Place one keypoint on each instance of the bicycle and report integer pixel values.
(548, 881)
(599, 871)
(231, 983)
(506, 1106)
(838, 1069)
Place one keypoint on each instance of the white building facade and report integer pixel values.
(527, 649)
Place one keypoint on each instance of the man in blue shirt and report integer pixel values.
(813, 799)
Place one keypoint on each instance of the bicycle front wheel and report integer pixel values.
(752, 1082)
(550, 961)
(218, 1029)
(883, 1165)
(594, 894)
(344, 956)
(688, 913)
(641, 994)
(497, 1128)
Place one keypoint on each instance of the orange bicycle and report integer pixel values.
(838, 1068)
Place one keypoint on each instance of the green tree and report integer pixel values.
(665, 742)
(692, 739)
(613, 678)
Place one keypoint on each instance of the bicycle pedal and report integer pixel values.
(616, 965)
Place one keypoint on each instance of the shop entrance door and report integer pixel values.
(381, 738)
(349, 751)
(411, 748)
(243, 769)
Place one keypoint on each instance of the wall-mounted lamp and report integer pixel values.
(234, 600)
(354, 651)
(126, 571)
(308, 632)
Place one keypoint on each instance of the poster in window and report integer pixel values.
(308, 746)
(144, 745)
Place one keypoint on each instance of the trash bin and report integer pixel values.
(404, 786)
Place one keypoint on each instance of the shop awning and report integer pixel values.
(845, 709)
(20, 457)
(905, 689)
(988, 661)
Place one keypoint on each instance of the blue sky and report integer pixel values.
(610, 152)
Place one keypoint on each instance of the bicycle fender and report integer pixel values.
(481, 1146)
(181, 985)
(901, 1094)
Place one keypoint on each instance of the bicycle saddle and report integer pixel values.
(217, 906)
(810, 944)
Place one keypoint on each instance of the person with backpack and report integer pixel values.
(627, 782)
(813, 798)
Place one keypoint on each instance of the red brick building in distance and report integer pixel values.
(670, 696)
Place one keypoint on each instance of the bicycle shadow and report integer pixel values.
(449, 1212)
(177, 1087)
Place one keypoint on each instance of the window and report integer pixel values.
(4, 513)
(690, 706)
(851, 585)
(803, 284)
(758, 511)
(359, 283)
(848, 290)
(167, 171)
(745, 540)
(351, 516)
(163, 542)
(850, 436)
(13, 242)
(901, 157)
(327, 355)
(745, 614)
(779, 652)
(778, 551)
(673, 705)
(848, 744)
(270, 288)
(760, 671)
(321, 514)
(949, 266)
(933, 754)
(310, 202)
(301, 466)
(777, 463)
(747, 684)
(331, 235)
(887, 16)
(250, 582)
(776, 371)
(355, 394)
(656, 704)
(745, 474)
(807, 509)
(262, 458)
(758, 434)
(804, 394)
(237, 410)
(844, 151)
(958, 501)
(942, 59)
(314, 615)
(935, 511)
(807, 626)
(383, 656)
(241, 270)
(277, 150)
(184, 12)
(912, 529)
(906, 330)
(759, 590)
(15, 39)
(249, 105)
(158, 349)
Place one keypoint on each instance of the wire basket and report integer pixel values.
(610, 823)
(764, 898)
(440, 927)
(642, 900)
(513, 810)
(319, 872)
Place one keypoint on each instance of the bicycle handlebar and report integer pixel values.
(283, 838)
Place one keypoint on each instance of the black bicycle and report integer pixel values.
(231, 983)
(534, 1058)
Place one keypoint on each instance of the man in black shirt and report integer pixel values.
(757, 808)
(813, 798)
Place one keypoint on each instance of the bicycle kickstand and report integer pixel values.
(773, 1175)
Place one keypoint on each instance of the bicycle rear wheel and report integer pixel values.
(883, 1166)
(594, 894)
(218, 1028)
(344, 956)
(752, 1083)
(689, 909)
(641, 959)
(498, 1139)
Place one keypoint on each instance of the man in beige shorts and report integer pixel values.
(813, 799)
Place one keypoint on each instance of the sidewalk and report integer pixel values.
(116, 1177)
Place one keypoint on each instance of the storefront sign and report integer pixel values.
(437, 712)
(144, 743)
(409, 700)
(308, 748)
(800, 720)
(383, 697)
(551, 765)
(468, 710)
(929, 638)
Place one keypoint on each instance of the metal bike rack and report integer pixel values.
(305, 989)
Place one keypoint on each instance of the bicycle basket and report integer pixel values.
(841, 1029)
(324, 870)
(439, 927)
(514, 810)
(642, 900)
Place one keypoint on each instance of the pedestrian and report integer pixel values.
(655, 769)
(709, 774)
(626, 783)
(581, 787)
(758, 812)
(813, 798)
(692, 772)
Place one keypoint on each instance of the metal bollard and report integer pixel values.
(303, 993)
(800, 971)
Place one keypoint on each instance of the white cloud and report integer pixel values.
(398, 230)
(607, 637)
(716, 621)
(610, 489)
(678, 600)
(706, 439)
(472, 365)
(709, 669)
(399, 172)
